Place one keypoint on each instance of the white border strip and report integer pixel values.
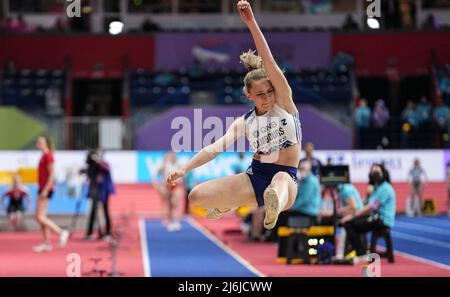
(432, 242)
(422, 260)
(144, 248)
(442, 223)
(419, 227)
(220, 244)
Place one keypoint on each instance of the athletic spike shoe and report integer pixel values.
(215, 213)
(43, 248)
(272, 205)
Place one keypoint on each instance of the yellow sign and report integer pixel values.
(243, 211)
(6, 177)
(28, 175)
(429, 207)
(198, 211)
(311, 231)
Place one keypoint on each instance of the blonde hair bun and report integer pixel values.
(251, 61)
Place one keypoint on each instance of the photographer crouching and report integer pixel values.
(101, 187)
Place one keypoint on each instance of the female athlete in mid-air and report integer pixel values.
(273, 130)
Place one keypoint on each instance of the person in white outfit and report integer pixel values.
(171, 194)
(417, 179)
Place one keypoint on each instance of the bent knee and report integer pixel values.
(40, 219)
(194, 197)
(281, 176)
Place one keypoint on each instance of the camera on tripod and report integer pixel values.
(305, 244)
(334, 175)
(331, 177)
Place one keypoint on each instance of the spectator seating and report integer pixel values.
(311, 85)
(27, 88)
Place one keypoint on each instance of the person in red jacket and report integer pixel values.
(46, 175)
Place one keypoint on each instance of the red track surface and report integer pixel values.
(18, 259)
(263, 257)
(134, 201)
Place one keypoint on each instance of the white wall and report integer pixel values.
(398, 163)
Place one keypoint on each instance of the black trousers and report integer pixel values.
(283, 221)
(356, 230)
(94, 213)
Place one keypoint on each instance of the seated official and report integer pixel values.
(378, 214)
(350, 202)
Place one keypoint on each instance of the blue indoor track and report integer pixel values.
(188, 253)
(424, 237)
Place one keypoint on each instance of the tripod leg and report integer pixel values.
(74, 219)
(75, 216)
(97, 218)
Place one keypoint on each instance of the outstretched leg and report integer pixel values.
(43, 220)
(279, 196)
(224, 193)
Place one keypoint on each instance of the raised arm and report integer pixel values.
(236, 130)
(283, 92)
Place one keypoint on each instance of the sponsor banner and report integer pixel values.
(218, 50)
(225, 164)
(62, 202)
(141, 166)
(446, 161)
(123, 164)
(398, 162)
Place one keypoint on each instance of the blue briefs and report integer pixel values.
(261, 175)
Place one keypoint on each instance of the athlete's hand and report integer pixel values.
(245, 12)
(173, 176)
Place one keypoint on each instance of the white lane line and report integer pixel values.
(440, 222)
(419, 239)
(422, 260)
(415, 226)
(232, 253)
(144, 248)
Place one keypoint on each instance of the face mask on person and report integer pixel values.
(375, 178)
